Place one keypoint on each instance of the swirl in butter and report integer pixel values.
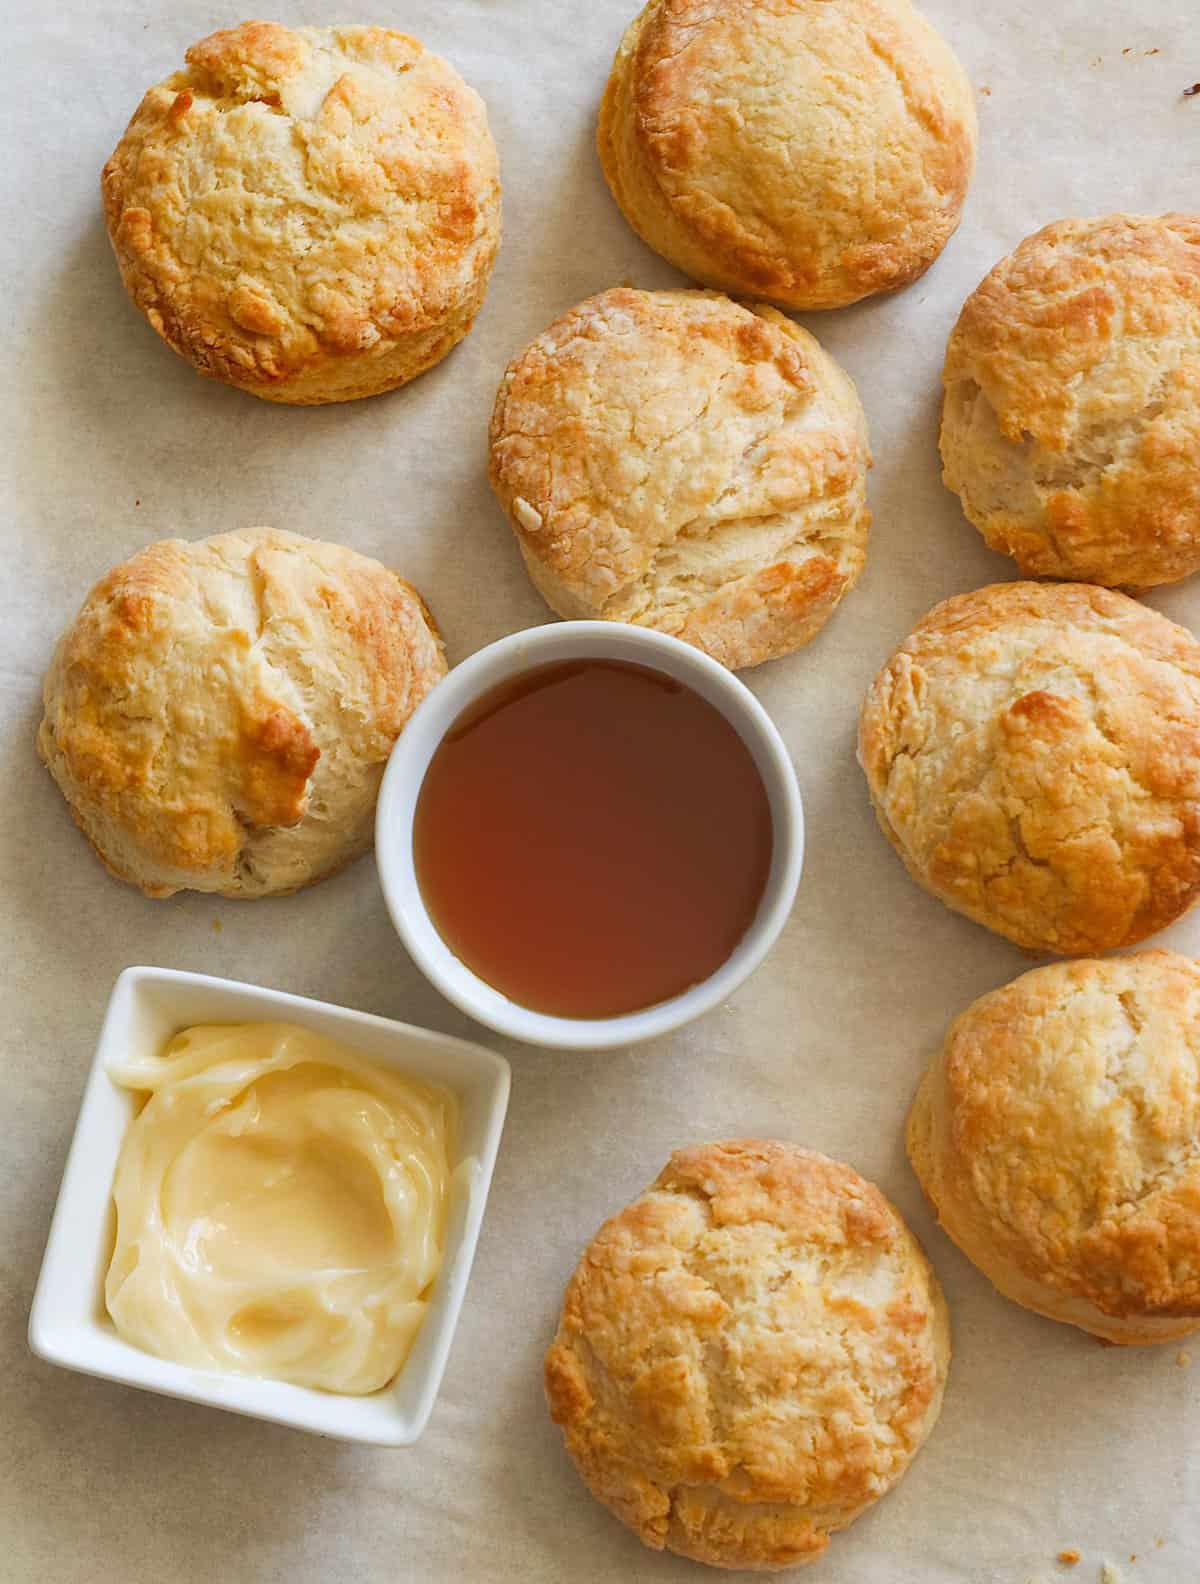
(281, 1207)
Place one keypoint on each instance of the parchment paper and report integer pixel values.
(1047, 1440)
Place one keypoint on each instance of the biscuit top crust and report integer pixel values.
(220, 711)
(1065, 1129)
(749, 1354)
(1033, 752)
(299, 195)
(1072, 419)
(653, 448)
(818, 150)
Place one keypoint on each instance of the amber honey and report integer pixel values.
(591, 838)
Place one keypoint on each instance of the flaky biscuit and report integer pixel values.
(219, 714)
(1033, 754)
(1071, 421)
(811, 152)
(311, 214)
(749, 1355)
(1057, 1135)
(687, 463)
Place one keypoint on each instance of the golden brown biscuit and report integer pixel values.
(1033, 754)
(687, 463)
(1058, 1136)
(219, 714)
(749, 1355)
(811, 152)
(1071, 422)
(310, 214)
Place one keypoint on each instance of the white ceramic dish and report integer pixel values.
(419, 741)
(68, 1324)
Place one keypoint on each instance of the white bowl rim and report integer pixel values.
(525, 651)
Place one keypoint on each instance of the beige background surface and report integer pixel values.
(109, 441)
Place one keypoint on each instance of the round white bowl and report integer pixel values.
(511, 657)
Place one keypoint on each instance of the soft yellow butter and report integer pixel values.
(281, 1207)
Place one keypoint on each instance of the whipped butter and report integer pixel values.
(281, 1206)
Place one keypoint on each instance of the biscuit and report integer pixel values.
(1071, 421)
(1033, 754)
(1058, 1137)
(684, 462)
(810, 152)
(749, 1355)
(310, 214)
(219, 714)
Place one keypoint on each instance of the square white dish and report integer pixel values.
(68, 1324)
